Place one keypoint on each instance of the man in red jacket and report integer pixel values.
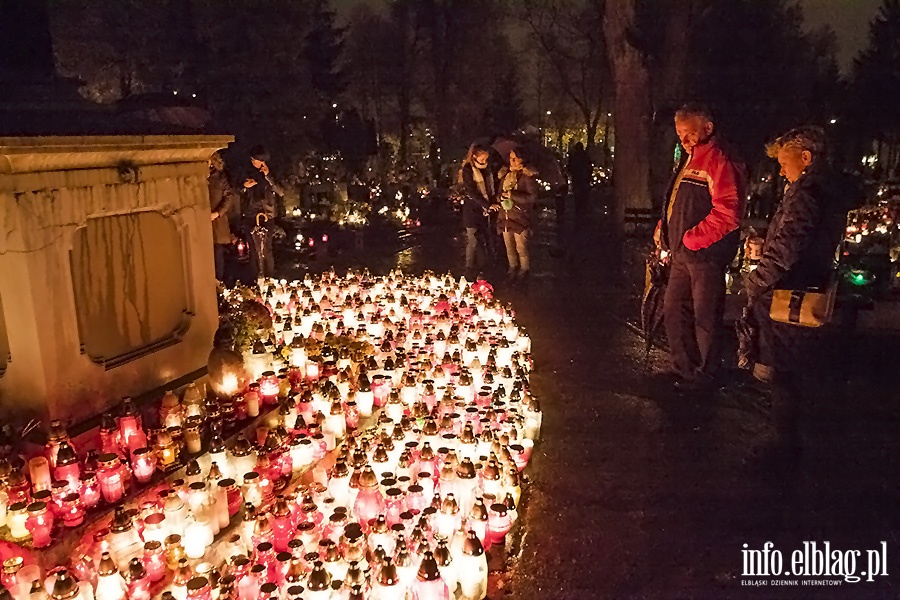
(699, 231)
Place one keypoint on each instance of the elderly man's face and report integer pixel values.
(793, 162)
(693, 131)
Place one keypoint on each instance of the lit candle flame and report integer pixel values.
(229, 384)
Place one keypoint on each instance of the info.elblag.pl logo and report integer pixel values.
(813, 564)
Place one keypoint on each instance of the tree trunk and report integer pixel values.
(668, 90)
(633, 116)
(442, 29)
(404, 99)
(591, 132)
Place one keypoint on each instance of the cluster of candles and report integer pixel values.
(385, 473)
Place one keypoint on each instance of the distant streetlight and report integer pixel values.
(833, 121)
(334, 105)
(549, 113)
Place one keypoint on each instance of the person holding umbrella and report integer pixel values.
(518, 193)
(699, 233)
(259, 215)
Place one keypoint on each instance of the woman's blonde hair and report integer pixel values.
(474, 150)
(807, 138)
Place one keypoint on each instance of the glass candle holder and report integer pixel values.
(155, 527)
(166, 450)
(269, 387)
(198, 537)
(110, 583)
(183, 574)
(193, 400)
(39, 523)
(282, 525)
(39, 471)
(170, 410)
(55, 437)
(137, 581)
(67, 466)
(174, 551)
(18, 488)
(58, 492)
(143, 463)
(89, 490)
(62, 585)
(11, 568)
(16, 519)
(234, 497)
(239, 567)
(251, 489)
(192, 435)
(110, 476)
(154, 560)
(198, 588)
(131, 435)
(110, 440)
(4, 505)
(73, 511)
(251, 400)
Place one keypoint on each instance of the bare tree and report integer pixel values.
(571, 36)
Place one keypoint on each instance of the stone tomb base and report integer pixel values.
(107, 284)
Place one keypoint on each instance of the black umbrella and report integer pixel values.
(747, 337)
(545, 162)
(258, 235)
(657, 275)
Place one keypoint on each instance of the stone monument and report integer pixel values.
(107, 285)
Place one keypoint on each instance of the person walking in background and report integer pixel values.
(221, 200)
(518, 193)
(581, 170)
(798, 254)
(479, 194)
(699, 231)
(262, 194)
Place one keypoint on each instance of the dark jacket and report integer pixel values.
(703, 222)
(474, 203)
(799, 251)
(221, 200)
(580, 168)
(262, 197)
(524, 195)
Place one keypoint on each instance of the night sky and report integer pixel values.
(850, 20)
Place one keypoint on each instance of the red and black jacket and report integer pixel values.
(703, 221)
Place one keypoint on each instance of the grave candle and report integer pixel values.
(39, 471)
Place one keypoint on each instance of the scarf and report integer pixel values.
(483, 184)
(510, 180)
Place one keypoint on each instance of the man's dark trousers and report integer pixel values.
(219, 253)
(694, 302)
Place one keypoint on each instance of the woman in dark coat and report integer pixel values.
(799, 250)
(221, 200)
(518, 195)
(262, 194)
(479, 194)
(798, 254)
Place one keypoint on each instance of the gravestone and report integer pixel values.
(107, 285)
